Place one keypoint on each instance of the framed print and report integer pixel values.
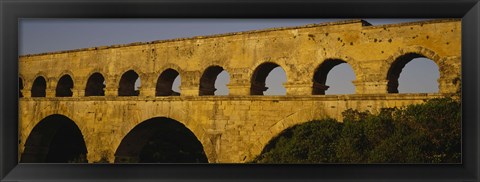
(252, 104)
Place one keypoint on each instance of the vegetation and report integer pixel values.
(423, 133)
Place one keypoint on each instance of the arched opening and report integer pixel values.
(38, 87)
(95, 85)
(64, 87)
(214, 81)
(129, 84)
(267, 79)
(20, 87)
(221, 84)
(165, 82)
(55, 139)
(420, 75)
(160, 140)
(341, 77)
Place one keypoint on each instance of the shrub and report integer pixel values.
(422, 133)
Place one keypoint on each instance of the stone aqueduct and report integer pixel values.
(232, 128)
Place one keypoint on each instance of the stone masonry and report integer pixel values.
(232, 128)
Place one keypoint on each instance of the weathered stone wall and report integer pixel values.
(231, 129)
(370, 50)
(235, 128)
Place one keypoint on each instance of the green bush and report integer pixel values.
(422, 133)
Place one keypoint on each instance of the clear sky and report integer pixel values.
(49, 35)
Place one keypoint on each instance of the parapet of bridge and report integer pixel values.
(94, 87)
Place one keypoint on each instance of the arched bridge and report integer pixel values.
(85, 101)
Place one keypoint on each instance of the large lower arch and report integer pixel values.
(160, 140)
(396, 68)
(320, 76)
(55, 139)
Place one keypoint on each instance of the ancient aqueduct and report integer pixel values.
(64, 92)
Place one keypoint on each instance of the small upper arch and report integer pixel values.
(321, 72)
(165, 81)
(259, 76)
(397, 61)
(95, 84)
(281, 64)
(64, 86)
(40, 74)
(173, 66)
(39, 86)
(63, 73)
(419, 50)
(127, 85)
(209, 78)
(396, 68)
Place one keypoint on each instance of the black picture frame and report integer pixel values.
(11, 11)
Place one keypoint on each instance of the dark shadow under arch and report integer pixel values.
(160, 140)
(396, 69)
(208, 79)
(20, 87)
(127, 84)
(64, 87)
(55, 139)
(259, 77)
(165, 83)
(39, 87)
(95, 85)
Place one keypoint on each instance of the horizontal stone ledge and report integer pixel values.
(406, 96)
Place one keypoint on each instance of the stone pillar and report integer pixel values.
(238, 88)
(111, 86)
(212, 147)
(450, 80)
(370, 87)
(239, 82)
(99, 156)
(49, 92)
(51, 87)
(298, 88)
(189, 90)
(27, 90)
(78, 92)
(190, 85)
(147, 91)
(148, 86)
(78, 89)
(449, 85)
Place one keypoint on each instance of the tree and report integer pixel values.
(421, 133)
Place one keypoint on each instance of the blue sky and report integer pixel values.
(49, 35)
